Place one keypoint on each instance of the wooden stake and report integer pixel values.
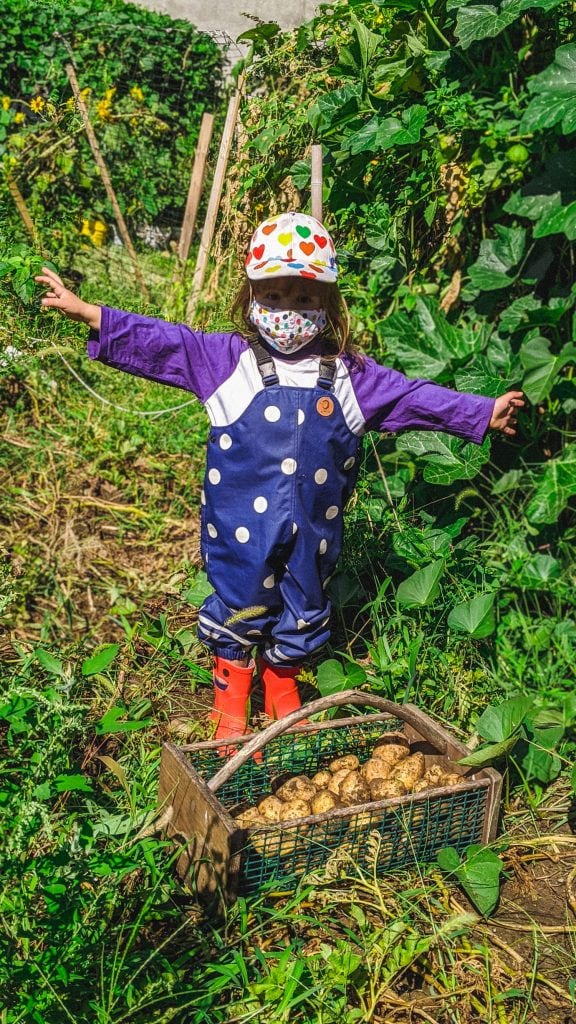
(316, 182)
(214, 200)
(196, 183)
(106, 179)
(21, 206)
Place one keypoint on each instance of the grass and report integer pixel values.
(100, 541)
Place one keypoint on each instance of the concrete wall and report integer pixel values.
(226, 19)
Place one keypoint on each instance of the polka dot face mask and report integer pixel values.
(287, 330)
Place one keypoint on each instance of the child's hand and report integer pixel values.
(61, 298)
(505, 412)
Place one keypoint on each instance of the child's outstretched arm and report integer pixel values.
(505, 412)
(61, 298)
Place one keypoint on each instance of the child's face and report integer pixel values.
(290, 293)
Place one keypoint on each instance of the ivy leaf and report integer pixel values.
(447, 458)
(557, 220)
(497, 258)
(479, 379)
(421, 588)
(475, 617)
(555, 488)
(490, 752)
(543, 367)
(501, 721)
(486, 21)
(555, 99)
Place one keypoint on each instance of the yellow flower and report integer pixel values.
(103, 109)
(110, 93)
(85, 92)
(136, 93)
(5, 102)
(37, 104)
(19, 117)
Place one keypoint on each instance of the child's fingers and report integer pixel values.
(50, 278)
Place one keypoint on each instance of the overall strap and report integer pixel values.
(265, 362)
(326, 374)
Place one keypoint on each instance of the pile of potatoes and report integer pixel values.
(390, 771)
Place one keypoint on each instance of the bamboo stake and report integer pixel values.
(316, 182)
(196, 183)
(214, 200)
(21, 206)
(106, 179)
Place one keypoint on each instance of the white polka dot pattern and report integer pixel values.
(214, 476)
(302, 624)
(260, 504)
(323, 546)
(212, 531)
(321, 476)
(289, 466)
(332, 512)
(203, 497)
(301, 417)
(242, 535)
(272, 413)
(225, 442)
(349, 463)
(270, 582)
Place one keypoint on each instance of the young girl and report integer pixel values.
(288, 403)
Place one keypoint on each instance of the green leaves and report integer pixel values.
(478, 873)
(101, 660)
(556, 486)
(484, 22)
(380, 134)
(554, 92)
(543, 367)
(333, 677)
(424, 342)
(475, 617)
(422, 587)
(498, 259)
(445, 458)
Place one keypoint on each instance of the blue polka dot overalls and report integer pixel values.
(277, 480)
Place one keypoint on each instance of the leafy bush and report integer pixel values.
(448, 182)
(146, 80)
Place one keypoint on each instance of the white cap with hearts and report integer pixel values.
(292, 245)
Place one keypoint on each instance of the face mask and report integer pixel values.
(287, 330)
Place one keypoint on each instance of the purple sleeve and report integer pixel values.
(391, 401)
(168, 353)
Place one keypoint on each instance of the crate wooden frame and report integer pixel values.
(211, 841)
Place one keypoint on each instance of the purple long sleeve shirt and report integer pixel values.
(221, 370)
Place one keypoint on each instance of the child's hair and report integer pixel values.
(336, 334)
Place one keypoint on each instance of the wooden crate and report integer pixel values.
(222, 860)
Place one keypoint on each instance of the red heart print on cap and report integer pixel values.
(258, 251)
(320, 240)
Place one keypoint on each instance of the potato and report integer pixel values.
(354, 790)
(410, 770)
(321, 779)
(348, 761)
(337, 780)
(273, 842)
(298, 788)
(392, 748)
(295, 808)
(382, 789)
(375, 768)
(433, 774)
(271, 809)
(452, 779)
(324, 801)
(250, 816)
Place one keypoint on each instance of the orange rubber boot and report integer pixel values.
(232, 685)
(281, 694)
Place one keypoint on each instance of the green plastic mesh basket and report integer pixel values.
(395, 833)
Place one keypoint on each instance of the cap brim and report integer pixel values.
(291, 268)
